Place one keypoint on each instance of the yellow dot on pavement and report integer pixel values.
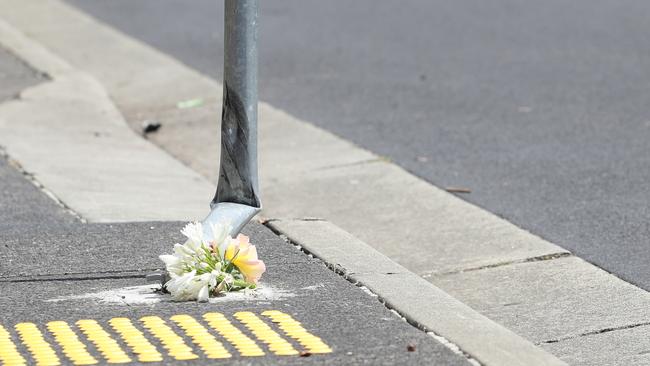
(40, 350)
(295, 330)
(134, 338)
(106, 345)
(243, 344)
(201, 337)
(266, 334)
(9, 355)
(173, 343)
(70, 343)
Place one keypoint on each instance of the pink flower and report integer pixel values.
(244, 256)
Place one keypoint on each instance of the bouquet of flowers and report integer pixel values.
(201, 268)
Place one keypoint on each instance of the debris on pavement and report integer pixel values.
(458, 190)
(150, 127)
(190, 103)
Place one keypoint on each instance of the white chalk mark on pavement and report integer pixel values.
(147, 294)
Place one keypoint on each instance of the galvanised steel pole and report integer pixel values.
(237, 199)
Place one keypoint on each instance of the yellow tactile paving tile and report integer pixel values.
(243, 344)
(134, 338)
(105, 344)
(172, 342)
(41, 351)
(295, 330)
(266, 334)
(9, 355)
(210, 346)
(121, 341)
(70, 343)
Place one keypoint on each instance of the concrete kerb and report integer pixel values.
(421, 303)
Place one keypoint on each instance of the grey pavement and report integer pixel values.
(15, 76)
(539, 108)
(54, 267)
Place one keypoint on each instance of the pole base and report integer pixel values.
(227, 213)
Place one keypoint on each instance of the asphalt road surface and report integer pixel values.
(541, 108)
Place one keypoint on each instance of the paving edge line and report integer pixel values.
(418, 301)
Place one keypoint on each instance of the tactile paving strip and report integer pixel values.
(122, 340)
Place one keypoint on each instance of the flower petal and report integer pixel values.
(204, 294)
(193, 231)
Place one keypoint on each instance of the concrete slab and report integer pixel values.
(420, 302)
(103, 170)
(551, 300)
(624, 347)
(324, 240)
(414, 223)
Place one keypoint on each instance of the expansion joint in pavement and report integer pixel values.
(355, 163)
(599, 331)
(546, 257)
(81, 276)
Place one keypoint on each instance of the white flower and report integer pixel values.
(229, 279)
(196, 266)
(173, 263)
(204, 294)
(188, 286)
(182, 251)
(194, 232)
(220, 236)
(212, 280)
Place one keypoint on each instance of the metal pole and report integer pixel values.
(237, 198)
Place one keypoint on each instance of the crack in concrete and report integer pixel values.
(594, 332)
(263, 221)
(546, 257)
(361, 162)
